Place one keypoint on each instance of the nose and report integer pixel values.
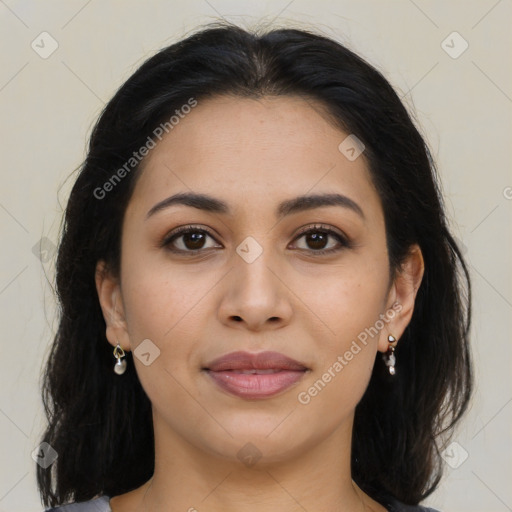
(255, 295)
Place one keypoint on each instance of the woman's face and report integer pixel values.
(263, 268)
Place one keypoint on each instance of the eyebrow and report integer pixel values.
(290, 206)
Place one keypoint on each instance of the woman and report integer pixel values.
(262, 305)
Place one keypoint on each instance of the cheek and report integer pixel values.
(158, 301)
(168, 311)
(349, 303)
(346, 299)
(350, 309)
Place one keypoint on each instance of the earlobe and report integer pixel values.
(110, 299)
(402, 296)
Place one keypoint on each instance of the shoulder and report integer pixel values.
(100, 504)
(394, 505)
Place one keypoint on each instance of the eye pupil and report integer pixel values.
(193, 240)
(317, 240)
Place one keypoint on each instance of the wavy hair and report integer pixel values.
(100, 423)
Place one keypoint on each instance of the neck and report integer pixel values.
(317, 478)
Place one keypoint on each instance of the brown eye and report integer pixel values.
(319, 240)
(316, 240)
(188, 239)
(193, 241)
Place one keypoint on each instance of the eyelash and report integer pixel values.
(344, 242)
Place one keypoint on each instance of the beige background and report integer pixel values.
(463, 104)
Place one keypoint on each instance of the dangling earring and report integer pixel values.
(389, 356)
(120, 366)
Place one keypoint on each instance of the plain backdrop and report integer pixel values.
(62, 60)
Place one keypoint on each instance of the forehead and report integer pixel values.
(253, 151)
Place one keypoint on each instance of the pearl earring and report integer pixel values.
(389, 357)
(120, 366)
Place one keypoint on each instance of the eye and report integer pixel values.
(188, 239)
(317, 239)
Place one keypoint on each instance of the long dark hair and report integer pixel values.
(100, 423)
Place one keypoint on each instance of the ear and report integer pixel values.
(111, 302)
(402, 296)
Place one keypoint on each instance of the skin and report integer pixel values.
(253, 154)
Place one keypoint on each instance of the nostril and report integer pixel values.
(237, 318)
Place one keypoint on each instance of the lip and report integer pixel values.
(255, 376)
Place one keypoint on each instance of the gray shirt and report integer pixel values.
(102, 505)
